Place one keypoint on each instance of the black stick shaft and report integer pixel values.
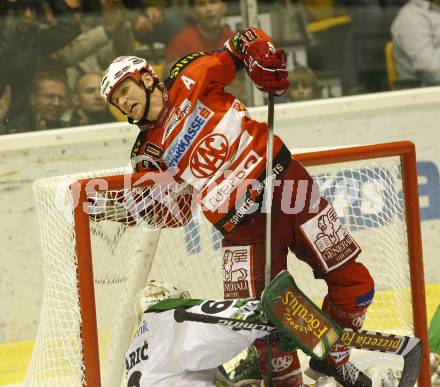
(268, 191)
(181, 315)
(367, 340)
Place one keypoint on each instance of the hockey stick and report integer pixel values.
(410, 348)
(268, 205)
(181, 315)
(302, 323)
(268, 189)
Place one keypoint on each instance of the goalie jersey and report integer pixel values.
(164, 353)
(207, 140)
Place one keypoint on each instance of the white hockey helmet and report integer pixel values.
(122, 68)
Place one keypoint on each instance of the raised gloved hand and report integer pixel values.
(267, 67)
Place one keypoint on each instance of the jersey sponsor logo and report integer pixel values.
(144, 331)
(332, 244)
(219, 194)
(209, 155)
(185, 61)
(177, 117)
(192, 127)
(250, 204)
(237, 265)
(230, 127)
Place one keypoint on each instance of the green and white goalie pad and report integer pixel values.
(297, 318)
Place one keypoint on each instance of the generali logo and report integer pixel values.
(209, 155)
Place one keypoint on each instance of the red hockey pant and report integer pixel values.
(350, 286)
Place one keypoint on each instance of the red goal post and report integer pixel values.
(407, 153)
(404, 154)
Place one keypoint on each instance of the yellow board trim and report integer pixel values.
(324, 24)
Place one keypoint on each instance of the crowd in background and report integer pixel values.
(53, 52)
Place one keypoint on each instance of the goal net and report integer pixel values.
(141, 229)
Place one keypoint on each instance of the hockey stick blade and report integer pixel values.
(411, 366)
(410, 348)
(181, 315)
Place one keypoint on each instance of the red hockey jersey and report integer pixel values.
(210, 141)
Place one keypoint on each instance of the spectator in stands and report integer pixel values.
(89, 106)
(5, 105)
(45, 107)
(328, 24)
(206, 34)
(26, 43)
(157, 22)
(105, 33)
(416, 36)
(303, 85)
(358, 31)
(365, 66)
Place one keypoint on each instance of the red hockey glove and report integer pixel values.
(267, 67)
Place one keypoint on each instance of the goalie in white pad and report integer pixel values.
(164, 353)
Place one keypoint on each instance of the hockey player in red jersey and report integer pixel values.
(203, 136)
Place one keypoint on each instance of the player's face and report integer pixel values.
(130, 97)
(208, 13)
(88, 97)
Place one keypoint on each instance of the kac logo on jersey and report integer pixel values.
(209, 155)
(282, 363)
(194, 123)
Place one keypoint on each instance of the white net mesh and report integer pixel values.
(367, 195)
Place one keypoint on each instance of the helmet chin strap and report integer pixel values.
(148, 93)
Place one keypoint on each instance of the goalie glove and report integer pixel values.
(264, 64)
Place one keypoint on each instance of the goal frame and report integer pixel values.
(403, 149)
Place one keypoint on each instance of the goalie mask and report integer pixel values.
(125, 67)
(155, 292)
